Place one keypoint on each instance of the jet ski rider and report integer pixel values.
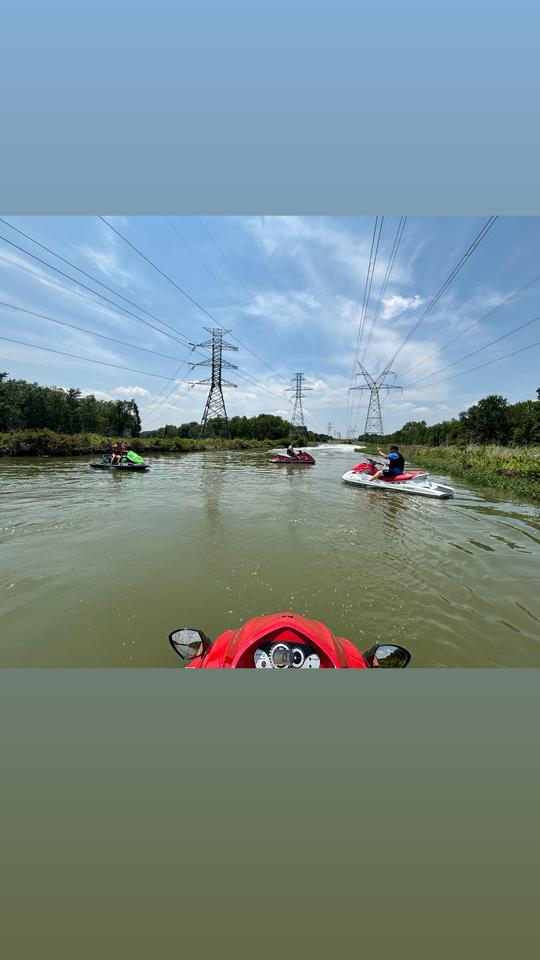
(290, 451)
(118, 452)
(396, 464)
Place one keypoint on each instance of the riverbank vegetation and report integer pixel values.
(38, 421)
(490, 421)
(48, 443)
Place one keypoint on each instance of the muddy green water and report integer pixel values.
(96, 568)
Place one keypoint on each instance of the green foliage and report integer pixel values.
(265, 427)
(491, 420)
(29, 406)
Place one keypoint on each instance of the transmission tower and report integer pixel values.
(215, 403)
(298, 388)
(329, 428)
(374, 424)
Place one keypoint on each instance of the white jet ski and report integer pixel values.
(410, 482)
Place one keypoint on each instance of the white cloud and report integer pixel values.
(292, 310)
(132, 391)
(98, 394)
(396, 304)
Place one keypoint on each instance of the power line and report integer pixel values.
(461, 263)
(80, 270)
(76, 356)
(92, 333)
(462, 333)
(179, 337)
(117, 307)
(391, 261)
(473, 353)
(487, 364)
(362, 319)
(226, 259)
(155, 266)
(181, 290)
(165, 393)
(199, 260)
(369, 281)
(210, 274)
(243, 376)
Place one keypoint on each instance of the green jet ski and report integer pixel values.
(131, 462)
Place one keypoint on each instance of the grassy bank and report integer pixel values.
(46, 443)
(507, 468)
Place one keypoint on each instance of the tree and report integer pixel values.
(488, 420)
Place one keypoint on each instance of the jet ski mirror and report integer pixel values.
(387, 655)
(189, 643)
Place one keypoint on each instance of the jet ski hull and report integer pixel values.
(418, 484)
(129, 467)
(296, 460)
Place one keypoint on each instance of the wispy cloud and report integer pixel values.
(107, 257)
(317, 244)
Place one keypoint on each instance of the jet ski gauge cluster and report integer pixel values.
(283, 655)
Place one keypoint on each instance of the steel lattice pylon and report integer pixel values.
(215, 403)
(298, 388)
(374, 424)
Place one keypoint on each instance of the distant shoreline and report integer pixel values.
(47, 443)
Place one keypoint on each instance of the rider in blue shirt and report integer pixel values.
(396, 464)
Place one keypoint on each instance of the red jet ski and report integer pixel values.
(281, 641)
(300, 457)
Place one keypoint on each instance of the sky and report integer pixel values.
(294, 294)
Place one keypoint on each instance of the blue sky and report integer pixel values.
(291, 290)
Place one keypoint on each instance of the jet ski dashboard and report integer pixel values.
(281, 655)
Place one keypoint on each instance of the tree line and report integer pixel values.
(29, 406)
(265, 426)
(491, 420)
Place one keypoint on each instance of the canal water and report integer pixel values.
(97, 567)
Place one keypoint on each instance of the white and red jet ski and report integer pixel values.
(411, 482)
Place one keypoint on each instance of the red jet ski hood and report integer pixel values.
(236, 648)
